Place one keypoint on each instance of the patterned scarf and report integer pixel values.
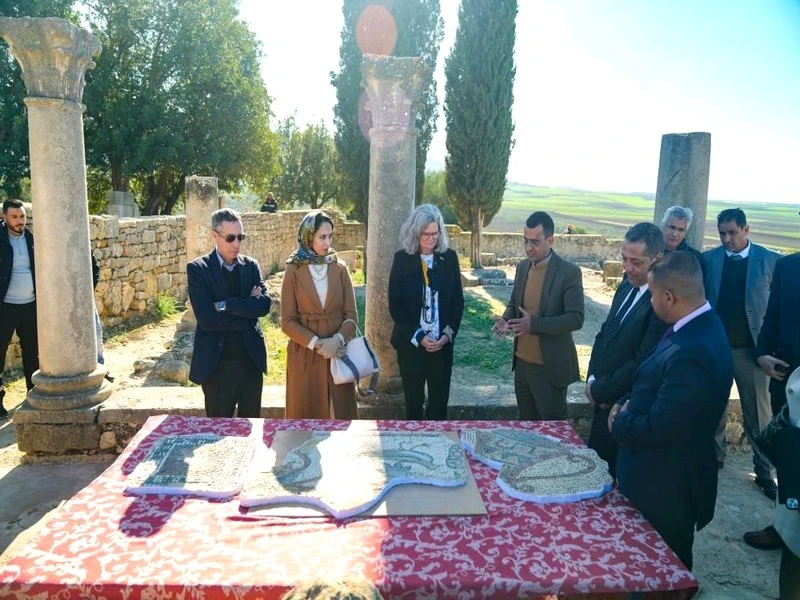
(304, 254)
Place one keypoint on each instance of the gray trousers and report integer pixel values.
(537, 400)
(753, 386)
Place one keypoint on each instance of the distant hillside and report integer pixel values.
(610, 214)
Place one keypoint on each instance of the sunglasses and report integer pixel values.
(231, 237)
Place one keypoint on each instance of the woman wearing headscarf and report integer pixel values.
(318, 313)
(426, 303)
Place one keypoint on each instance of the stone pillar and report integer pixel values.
(393, 87)
(54, 56)
(683, 180)
(202, 199)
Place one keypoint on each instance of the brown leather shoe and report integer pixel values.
(764, 539)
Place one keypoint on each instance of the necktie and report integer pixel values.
(735, 257)
(627, 304)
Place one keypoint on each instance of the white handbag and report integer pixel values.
(359, 361)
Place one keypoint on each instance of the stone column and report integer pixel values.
(683, 179)
(393, 87)
(54, 56)
(202, 199)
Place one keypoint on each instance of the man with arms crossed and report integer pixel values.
(546, 306)
(666, 463)
(629, 333)
(228, 297)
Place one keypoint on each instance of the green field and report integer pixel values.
(610, 214)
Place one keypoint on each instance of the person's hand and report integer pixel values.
(588, 391)
(615, 410)
(327, 347)
(438, 344)
(341, 351)
(522, 325)
(430, 344)
(257, 291)
(500, 327)
(769, 363)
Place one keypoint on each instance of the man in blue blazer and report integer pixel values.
(666, 463)
(228, 297)
(629, 334)
(737, 280)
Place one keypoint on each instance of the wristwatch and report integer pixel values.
(220, 306)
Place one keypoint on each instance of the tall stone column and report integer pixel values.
(683, 179)
(54, 56)
(202, 199)
(393, 87)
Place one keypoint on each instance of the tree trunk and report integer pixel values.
(119, 183)
(172, 196)
(475, 239)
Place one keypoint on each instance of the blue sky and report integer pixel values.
(598, 83)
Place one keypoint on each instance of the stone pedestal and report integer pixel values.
(54, 56)
(683, 180)
(202, 199)
(393, 86)
(121, 204)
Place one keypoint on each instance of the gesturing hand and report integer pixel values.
(522, 325)
(500, 327)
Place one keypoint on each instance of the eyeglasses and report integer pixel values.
(425, 234)
(532, 242)
(231, 237)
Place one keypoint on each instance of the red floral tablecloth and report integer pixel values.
(105, 544)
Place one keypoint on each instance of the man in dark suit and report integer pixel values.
(228, 297)
(666, 463)
(630, 333)
(737, 280)
(546, 306)
(778, 351)
(675, 225)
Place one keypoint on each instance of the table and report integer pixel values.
(105, 544)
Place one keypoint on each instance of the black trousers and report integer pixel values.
(677, 531)
(789, 581)
(537, 399)
(418, 367)
(600, 439)
(22, 319)
(234, 382)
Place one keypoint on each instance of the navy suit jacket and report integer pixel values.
(206, 286)
(761, 262)
(618, 350)
(666, 463)
(780, 333)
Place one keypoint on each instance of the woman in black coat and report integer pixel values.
(426, 303)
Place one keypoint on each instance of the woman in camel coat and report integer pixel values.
(318, 313)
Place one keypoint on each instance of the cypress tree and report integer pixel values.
(479, 95)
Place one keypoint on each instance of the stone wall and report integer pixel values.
(583, 248)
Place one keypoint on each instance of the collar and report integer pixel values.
(642, 289)
(692, 315)
(744, 253)
(222, 264)
(544, 261)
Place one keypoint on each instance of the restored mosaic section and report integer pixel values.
(346, 472)
(205, 465)
(538, 468)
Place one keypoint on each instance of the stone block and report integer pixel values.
(172, 370)
(148, 236)
(108, 440)
(49, 438)
(612, 268)
(469, 279)
(613, 282)
(488, 259)
(164, 282)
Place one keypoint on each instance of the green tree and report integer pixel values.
(177, 91)
(479, 94)
(308, 164)
(436, 194)
(14, 159)
(419, 33)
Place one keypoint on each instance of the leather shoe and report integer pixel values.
(767, 486)
(764, 539)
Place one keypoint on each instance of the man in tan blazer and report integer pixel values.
(546, 306)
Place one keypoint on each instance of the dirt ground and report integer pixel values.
(30, 490)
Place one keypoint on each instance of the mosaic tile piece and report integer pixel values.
(538, 468)
(206, 465)
(345, 473)
(496, 447)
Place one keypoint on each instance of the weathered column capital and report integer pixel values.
(394, 87)
(54, 55)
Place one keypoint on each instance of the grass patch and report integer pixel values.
(476, 346)
(166, 306)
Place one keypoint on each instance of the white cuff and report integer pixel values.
(313, 342)
(590, 379)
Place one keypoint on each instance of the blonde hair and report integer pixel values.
(415, 224)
